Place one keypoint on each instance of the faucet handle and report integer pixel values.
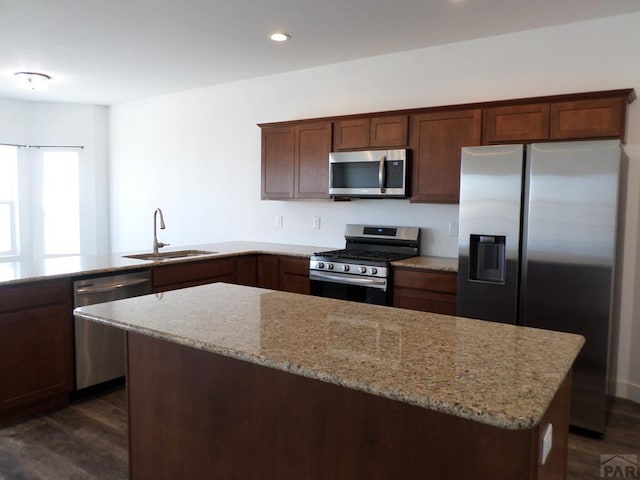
(162, 244)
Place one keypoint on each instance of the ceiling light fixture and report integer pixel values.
(32, 80)
(279, 37)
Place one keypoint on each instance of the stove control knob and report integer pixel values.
(374, 271)
(330, 266)
(345, 268)
(320, 265)
(363, 269)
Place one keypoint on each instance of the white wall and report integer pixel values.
(60, 124)
(196, 154)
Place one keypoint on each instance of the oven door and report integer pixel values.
(350, 287)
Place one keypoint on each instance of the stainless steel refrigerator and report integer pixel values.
(537, 247)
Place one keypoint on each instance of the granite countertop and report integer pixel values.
(24, 271)
(497, 374)
(59, 267)
(442, 264)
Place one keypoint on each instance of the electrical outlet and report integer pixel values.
(316, 223)
(453, 229)
(279, 221)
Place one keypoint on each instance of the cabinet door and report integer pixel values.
(35, 354)
(352, 133)
(516, 123)
(278, 152)
(246, 269)
(313, 145)
(436, 140)
(389, 131)
(294, 275)
(598, 118)
(268, 271)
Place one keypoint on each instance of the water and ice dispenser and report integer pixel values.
(487, 258)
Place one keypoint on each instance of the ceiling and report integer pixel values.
(107, 52)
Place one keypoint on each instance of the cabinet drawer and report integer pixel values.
(194, 273)
(294, 266)
(444, 282)
(33, 294)
(424, 301)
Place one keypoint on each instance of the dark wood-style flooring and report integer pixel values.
(88, 440)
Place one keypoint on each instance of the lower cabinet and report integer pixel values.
(294, 275)
(286, 273)
(36, 347)
(425, 290)
(191, 274)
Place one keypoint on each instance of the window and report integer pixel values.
(60, 203)
(8, 200)
(45, 182)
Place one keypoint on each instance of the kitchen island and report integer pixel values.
(227, 381)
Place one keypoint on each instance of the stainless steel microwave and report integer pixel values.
(368, 174)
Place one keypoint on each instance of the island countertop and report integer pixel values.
(497, 374)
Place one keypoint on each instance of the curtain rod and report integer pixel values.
(41, 146)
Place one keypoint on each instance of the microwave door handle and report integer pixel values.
(381, 176)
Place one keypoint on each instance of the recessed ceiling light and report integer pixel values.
(32, 80)
(279, 37)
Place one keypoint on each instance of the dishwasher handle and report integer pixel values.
(91, 289)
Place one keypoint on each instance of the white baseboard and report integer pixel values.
(630, 391)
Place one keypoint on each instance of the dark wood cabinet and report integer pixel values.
(283, 272)
(36, 347)
(593, 118)
(190, 274)
(516, 123)
(295, 161)
(425, 290)
(376, 131)
(294, 275)
(268, 269)
(278, 145)
(294, 154)
(436, 140)
(247, 270)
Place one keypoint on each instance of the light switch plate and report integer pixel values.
(453, 229)
(279, 221)
(316, 223)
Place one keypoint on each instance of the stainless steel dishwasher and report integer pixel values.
(100, 354)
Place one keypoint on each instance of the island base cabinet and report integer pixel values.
(195, 414)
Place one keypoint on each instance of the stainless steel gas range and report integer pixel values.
(361, 271)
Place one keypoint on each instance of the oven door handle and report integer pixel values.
(379, 283)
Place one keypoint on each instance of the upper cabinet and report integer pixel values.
(436, 140)
(597, 118)
(516, 123)
(295, 161)
(370, 132)
(588, 118)
(295, 155)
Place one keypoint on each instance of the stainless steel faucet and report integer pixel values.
(156, 244)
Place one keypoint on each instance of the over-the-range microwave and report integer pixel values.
(369, 174)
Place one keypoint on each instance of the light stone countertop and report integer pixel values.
(497, 374)
(58, 267)
(442, 264)
(77, 265)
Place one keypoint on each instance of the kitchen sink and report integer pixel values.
(171, 255)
